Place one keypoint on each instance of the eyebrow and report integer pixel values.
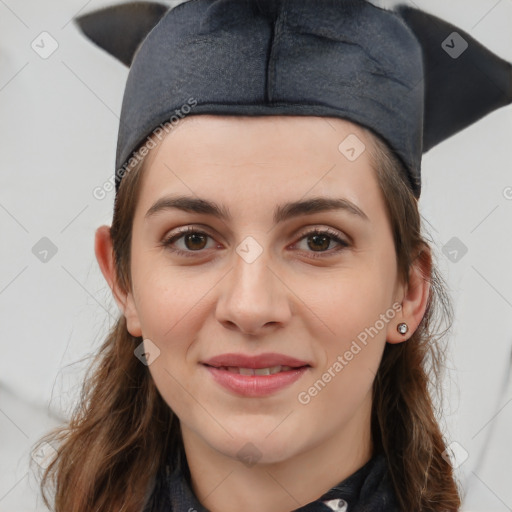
(282, 212)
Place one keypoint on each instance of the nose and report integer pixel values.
(254, 298)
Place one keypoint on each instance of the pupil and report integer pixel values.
(322, 237)
(192, 237)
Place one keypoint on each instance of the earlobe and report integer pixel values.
(132, 317)
(415, 300)
(105, 257)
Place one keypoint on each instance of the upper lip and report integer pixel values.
(259, 361)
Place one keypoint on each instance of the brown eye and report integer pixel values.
(195, 241)
(318, 241)
(192, 241)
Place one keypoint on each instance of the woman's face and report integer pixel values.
(258, 282)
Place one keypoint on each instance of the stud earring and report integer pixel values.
(402, 328)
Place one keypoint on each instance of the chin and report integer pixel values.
(255, 445)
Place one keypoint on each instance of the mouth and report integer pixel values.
(269, 370)
(271, 361)
(255, 382)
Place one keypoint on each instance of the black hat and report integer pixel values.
(410, 77)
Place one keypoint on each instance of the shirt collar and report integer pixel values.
(368, 489)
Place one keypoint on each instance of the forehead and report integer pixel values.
(237, 158)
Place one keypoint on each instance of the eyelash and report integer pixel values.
(331, 234)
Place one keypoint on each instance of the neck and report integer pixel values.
(224, 484)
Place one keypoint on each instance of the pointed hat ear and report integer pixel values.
(464, 81)
(120, 29)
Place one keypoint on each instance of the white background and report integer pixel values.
(58, 131)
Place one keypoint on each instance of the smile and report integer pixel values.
(271, 370)
(255, 382)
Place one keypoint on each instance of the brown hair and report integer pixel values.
(121, 431)
(404, 416)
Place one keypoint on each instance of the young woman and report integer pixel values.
(281, 313)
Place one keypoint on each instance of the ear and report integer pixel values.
(105, 256)
(415, 297)
(120, 29)
(464, 81)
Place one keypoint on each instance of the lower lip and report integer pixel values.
(255, 385)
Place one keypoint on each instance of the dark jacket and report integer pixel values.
(369, 489)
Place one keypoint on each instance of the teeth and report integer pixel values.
(257, 371)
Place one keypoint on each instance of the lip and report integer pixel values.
(259, 361)
(255, 385)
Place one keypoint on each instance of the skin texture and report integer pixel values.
(285, 301)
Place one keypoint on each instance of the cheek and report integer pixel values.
(170, 312)
(357, 311)
(356, 314)
(166, 302)
(354, 300)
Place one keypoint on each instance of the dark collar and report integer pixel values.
(369, 489)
